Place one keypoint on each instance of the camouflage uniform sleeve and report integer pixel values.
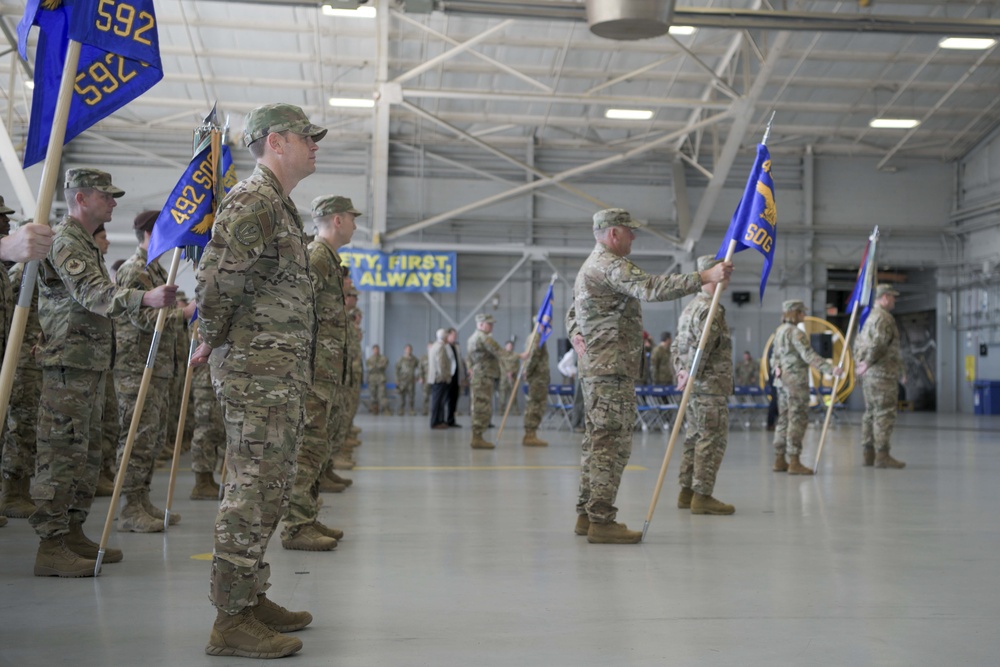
(319, 268)
(131, 276)
(89, 285)
(626, 278)
(572, 328)
(240, 235)
(494, 348)
(809, 355)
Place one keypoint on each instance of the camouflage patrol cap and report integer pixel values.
(279, 118)
(4, 209)
(793, 304)
(484, 318)
(330, 204)
(706, 262)
(614, 217)
(883, 289)
(91, 178)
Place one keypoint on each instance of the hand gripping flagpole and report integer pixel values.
(50, 173)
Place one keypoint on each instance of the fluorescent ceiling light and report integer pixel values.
(893, 123)
(628, 114)
(359, 13)
(682, 30)
(967, 43)
(358, 103)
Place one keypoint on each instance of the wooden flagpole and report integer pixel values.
(836, 382)
(179, 438)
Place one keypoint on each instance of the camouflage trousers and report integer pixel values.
(68, 457)
(151, 434)
(707, 426)
(324, 406)
(537, 403)
(427, 396)
(482, 401)
(506, 387)
(406, 389)
(607, 444)
(264, 418)
(793, 417)
(376, 392)
(111, 429)
(22, 423)
(881, 403)
(208, 441)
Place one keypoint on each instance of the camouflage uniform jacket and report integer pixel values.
(878, 345)
(76, 298)
(134, 334)
(354, 351)
(32, 327)
(747, 373)
(484, 355)
(607, 313)
(331, 313)
(715, 370)
(255, 298)
(662, 365)
(7, 304)
(377, 366)
(509, 366)
(792, 353)
(538, 365)
(407, 368)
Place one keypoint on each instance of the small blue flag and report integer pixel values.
(864, 287)
(187, 217)
(119, 61)
(544, 318)
(755, 222)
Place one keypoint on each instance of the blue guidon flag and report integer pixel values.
(755, 222)
(119, 61)
(863, 294)
(544, 318)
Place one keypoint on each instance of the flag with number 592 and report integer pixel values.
(119, 61)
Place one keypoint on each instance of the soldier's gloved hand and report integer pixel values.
(201, 354)
(160, 297)
(682, 380)
(29, 242)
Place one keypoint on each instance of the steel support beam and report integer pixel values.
(437, 307)
(489, 295)
(448, 55)
(379, 184)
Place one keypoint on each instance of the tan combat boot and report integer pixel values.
(307, 538)
(344, 460)
(156, 512)
(3, 521)
(334, 477)
(134, 518)
(479, 443)
(205, 487)
(105, 484)
(54, 559)
(883, 460)
(15, 498)
(780, 464)
(279, 619)
(244, 635)
(327, 485)
(795, 467)
(83, 546)
(532, 440)
(582, 524)
(869, 453)
(702, 504)
(684, 499)
(352, 442)
(322, 529)
(612, 533)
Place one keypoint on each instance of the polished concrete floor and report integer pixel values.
(461, 557)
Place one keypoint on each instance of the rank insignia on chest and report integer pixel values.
(75, 267)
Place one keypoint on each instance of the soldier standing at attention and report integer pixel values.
(880, 366)
(791, 357)
(747, 371)
(509, 366)
(537, 375)
(407, 369)
(377, 364)
(134, 335)
(484, 355)
(605, 327)
(255, 304)
(326, 399)
(659, 359)
(76, 298)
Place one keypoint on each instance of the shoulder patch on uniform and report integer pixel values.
(247, 233)
(75, 266)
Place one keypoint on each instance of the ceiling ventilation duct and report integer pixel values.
(629, 19)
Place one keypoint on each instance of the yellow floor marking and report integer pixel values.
(207, 556)
(417, 468)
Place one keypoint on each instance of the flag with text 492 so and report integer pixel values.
(755, 223)
(863, 295)
(119, 61)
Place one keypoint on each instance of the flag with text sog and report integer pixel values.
(401, 270)
(544, 318)
(864, 288)
(187, 217)
(119, 61)
(755, 223)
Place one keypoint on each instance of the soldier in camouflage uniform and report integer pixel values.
(880, 366)
(134, 335)
(342, 457)
(605, 327)
(208, 441)
(255, 305)
(483, 361)
(30, 241)
(509, 367)
(747, 372)
(537, 375)
(75, 301)
(377, 364)
(110, 429)
(661, 363)
(335, 224)
(791, 357)
(407, 369)
(707, 417)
